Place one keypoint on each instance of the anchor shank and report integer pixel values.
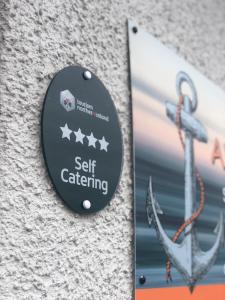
(189, 169)
(189, 188)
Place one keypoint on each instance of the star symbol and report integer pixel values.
(79, 136)
(103, 144)
(66, 132)
(91, 140)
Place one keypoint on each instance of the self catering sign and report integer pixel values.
(81, 140)
(179, 177)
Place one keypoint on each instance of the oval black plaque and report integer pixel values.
(81, 140)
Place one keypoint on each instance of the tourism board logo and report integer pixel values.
(67, 100)
(69, 103)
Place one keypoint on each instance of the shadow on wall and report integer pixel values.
(4, 27)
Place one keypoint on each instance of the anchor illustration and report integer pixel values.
(186, 257)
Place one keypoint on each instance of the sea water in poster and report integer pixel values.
(179, 175)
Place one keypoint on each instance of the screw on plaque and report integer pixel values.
(87, 75)
(135, 30)
(142, 279)
(86, 204)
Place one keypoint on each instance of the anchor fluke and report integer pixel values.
(187, 257)
(149, 207)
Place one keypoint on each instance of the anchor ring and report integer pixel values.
(180, 79)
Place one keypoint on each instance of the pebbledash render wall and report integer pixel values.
(46, 250)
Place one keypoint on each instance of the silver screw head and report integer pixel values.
(86, 204)
(87, 75)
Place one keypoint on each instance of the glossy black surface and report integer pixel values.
(92, 108)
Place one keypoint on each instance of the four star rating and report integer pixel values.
(66, 133)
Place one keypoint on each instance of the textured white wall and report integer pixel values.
(47, 251)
